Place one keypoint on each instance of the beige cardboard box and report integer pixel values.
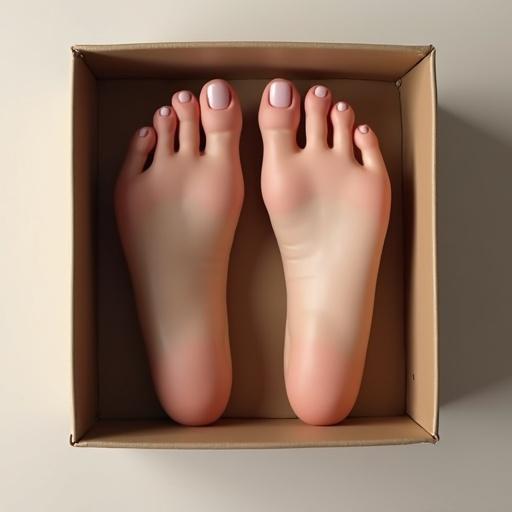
(115, 90)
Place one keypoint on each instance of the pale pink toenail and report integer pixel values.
(184, 96)
(321, 91)
(341, 106)
(218, 95)
(363, 128)
(165, 111)
(143, 132)
(280, 94)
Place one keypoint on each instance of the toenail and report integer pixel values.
(341, 106)
(143, 132)
(280, 94)
(165, 111)
(184, 96)
(321, 91)
(363, 128)
(218, 95)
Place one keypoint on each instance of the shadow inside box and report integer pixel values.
(474, 187)
(147, 427)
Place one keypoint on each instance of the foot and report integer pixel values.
(177, 220)
(330, 214)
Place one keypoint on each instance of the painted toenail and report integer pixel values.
(280, 94)
(165, 111)
(363, 128)
(321, 91)
(218, 95)
(143, 132)
(184, 96)
(341, 106)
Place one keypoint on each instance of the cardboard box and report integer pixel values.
(115, 90)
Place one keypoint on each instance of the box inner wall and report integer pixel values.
(256, 294)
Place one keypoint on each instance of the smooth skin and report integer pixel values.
(177, 220)
(330, 214)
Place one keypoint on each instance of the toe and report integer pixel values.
(342, 118)
(164, 121)
(316, 105)
(367, 142)
(187, 109)
(279, 116)
(142, 143)
(221, 117)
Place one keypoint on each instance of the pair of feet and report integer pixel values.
(177, 219)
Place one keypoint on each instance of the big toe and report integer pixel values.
(279, 116)
(221, 117)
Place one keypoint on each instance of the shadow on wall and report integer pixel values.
(474, 201)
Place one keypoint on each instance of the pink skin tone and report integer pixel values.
(176, 221)
(330, 215)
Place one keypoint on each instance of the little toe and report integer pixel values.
(187, 109)
(316, 105)
(368, 143)
(221, 117)
(279, 117)
(342, 118)
(164, 121)
(141, 144)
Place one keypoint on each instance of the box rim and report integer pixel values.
(420, 49)
(424, 50)
(433, 54)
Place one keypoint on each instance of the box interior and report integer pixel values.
(117, 89)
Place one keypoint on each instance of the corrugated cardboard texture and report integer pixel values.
(84, 175)
(256, 293)
(418, 96)
(250, 433)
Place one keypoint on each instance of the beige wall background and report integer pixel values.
(470, 468)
